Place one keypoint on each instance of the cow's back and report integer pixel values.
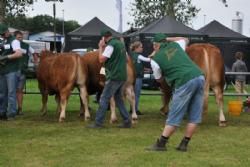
(57, 71)
(208, 57)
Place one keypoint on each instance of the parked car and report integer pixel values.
(80, 51)
(149, 82)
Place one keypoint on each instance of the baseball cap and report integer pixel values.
(105, 32)
(159, 37)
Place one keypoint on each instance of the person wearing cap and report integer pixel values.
(27, 51)
(187, 82)
(9, 54)
(112, 53)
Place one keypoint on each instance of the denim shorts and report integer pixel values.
(187, 99)
(20, 80)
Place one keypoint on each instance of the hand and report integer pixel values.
(101, 43)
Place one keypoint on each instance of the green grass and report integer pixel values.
(32, 140)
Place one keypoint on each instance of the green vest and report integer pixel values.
(137, 64)
(10, 65)
(24, 60)
(116, 65)
(176, 66)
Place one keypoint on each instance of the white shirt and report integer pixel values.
(182, 43)
(156, 69)
(16, 45)
(108, 51)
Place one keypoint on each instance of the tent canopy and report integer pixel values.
(167, 25)
(215, 29)
(93, 28)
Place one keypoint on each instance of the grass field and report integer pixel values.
(35, 141)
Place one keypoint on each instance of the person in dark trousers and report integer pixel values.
(9, 55)
(112, 53)
(239, 66)
(187, 82)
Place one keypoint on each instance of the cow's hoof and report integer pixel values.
(61, 120)
(134, 121)
(87, 118)
(81, 115)
(113, 121)
(222, 123)
(43, 114)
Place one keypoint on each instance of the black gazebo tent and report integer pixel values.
(88, 35)
(228, 41)
(168, 26)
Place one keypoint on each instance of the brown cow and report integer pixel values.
(208, 58)
(57, 74)
(96, 81)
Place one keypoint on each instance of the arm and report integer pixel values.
(156, 70)
(145, 59)
(233, 68)
(174, 39)
(182, 41)
(152, 54)
(101, 45)
(16, 46)
(17, 50)
(104, 52)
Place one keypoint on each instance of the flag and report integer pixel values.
(119, 8)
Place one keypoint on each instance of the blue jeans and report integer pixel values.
(138, 86)
(187, 99)
(111, 88)
(8, 86)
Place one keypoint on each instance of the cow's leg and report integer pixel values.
(130, 95)
(84, 97)
(113, 118)
(206, 94)
(81, 114)
(44, 104)
(219, 100)
(57, 98)
(167, 94)
(63, 103)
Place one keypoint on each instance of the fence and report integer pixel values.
(36, 91)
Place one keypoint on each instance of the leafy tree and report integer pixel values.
(146, 11)
(40, 23)
(13, 8)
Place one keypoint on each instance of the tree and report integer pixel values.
(40, 23)
(13, 8)
(146, 11)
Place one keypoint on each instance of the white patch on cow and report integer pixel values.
(102, 71)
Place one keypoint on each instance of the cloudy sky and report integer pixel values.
(84, 10)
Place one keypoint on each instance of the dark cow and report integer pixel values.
(96, 81)
(58, 74)
(208, 57)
